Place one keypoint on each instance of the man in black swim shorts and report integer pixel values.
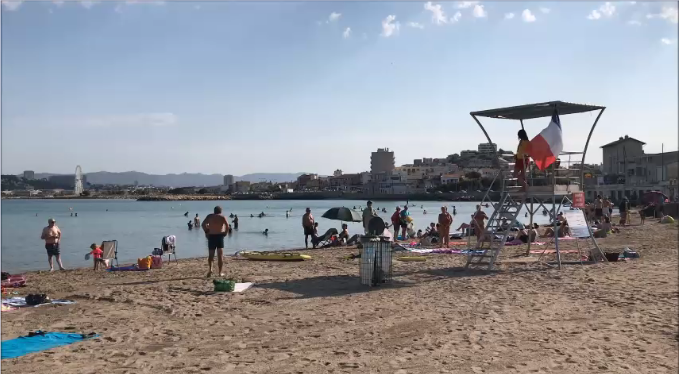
(52, 236)
(215, 227)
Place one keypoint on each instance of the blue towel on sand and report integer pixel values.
(24, 345)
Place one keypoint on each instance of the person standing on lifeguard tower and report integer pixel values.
(522, 159)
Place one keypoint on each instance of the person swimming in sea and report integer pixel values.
(231, 215)
(190, 224)
(186, 214)
(266, 232)
(252, 216)
(287, 214)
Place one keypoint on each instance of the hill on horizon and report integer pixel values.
(177, 180)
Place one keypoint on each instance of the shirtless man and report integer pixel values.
(215, 226)
(196, 221)
(479, 224)
(52, 236)
(308, 225)
(445, 220)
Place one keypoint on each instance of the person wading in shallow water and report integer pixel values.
(52, 236)
(308, 225)
(215, 226)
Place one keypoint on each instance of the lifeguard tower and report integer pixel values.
(559, 185)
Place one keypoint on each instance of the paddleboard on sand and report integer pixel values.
(274, 256)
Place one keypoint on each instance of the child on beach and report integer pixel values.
(97, 254)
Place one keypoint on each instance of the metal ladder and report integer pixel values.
(507, 209)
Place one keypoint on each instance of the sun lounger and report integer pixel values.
(326, 239)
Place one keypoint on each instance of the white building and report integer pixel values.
(487, 148)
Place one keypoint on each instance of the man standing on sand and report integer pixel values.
(308, 226)
(368, 214)
(215, 226)
(445, 220)
(52, 236)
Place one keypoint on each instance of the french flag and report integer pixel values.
(546, 147)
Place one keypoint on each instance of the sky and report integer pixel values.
(243, 87)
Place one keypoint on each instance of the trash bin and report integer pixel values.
(375, 264)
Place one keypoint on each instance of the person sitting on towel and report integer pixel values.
(344, 235)
(97, 255)
(603, 228)
(564, 231)
(526, 233)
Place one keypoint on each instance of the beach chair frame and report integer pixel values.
(171, 249)
(110, 249)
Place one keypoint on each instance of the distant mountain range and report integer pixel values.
(177, 180)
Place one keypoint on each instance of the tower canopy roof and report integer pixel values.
(539, 110)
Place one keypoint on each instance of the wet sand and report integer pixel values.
(315, 317)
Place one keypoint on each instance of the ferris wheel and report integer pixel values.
(78, 181)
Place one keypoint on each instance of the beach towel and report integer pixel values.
(240, 287)
(554, 251)
(41, 342)
(18, 280)
(20, 302)
(125, 268)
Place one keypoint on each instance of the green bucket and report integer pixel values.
(224, 285)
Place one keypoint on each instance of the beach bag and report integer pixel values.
(156, 262)
(224, 285)
(144, 263)
(37, 299)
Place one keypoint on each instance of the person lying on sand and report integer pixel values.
(563, 230)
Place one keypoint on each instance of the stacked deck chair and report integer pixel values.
(169, 246)
(110, 249)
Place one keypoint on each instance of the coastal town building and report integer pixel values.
(241, 187)
(346, 182)
(29, 174)
(337, 173)
(382, 161)
(228, 180)
(304, 180)
(629, 171)
(487, 148)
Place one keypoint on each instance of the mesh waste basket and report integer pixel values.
(375, 264)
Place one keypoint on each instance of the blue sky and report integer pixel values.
(235, 88)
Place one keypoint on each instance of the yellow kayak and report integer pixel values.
(413, 259)
(274, 256)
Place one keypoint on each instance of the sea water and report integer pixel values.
(139, 226)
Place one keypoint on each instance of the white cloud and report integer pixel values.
(594, 15)
(607, 9)
(88, 4)
(634, 23)
(666, 41)
(11, 5)
(390, 26)
(416, 25)
(668, 13)
(334, 17)
(347, 33)
(466, 4)
(437, 15)
(479, 12)
(545, 10)
(509, 15)
(456, 17)
(527, 16)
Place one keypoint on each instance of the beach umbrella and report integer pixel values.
(343, 214)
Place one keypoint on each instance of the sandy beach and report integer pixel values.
(315, 317)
